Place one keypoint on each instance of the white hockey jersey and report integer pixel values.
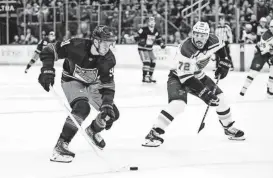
(265, 45)
(189, 61)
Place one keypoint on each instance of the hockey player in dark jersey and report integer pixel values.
(43, 43)
(263, 54)
(187, 76)
(146, 38)
(87, 78)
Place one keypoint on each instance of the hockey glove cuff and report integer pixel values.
(223, 68)
(46, 78)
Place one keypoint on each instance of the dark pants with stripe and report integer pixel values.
(149, 61)
(178, 91)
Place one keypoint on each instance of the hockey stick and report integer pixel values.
(202, 125)
(68, 111)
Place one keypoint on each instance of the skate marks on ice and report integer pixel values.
(137, 106)
(235, 159)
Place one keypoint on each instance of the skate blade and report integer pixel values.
(151, 144)
(61, 158)
(236, 138)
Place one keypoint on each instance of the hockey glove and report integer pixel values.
(223, 68)
(162, 46)
(209, 98)
(46, 78)
(107, 110)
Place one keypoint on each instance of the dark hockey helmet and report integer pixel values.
(103, 33)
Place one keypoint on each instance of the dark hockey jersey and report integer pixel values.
(43, 43)
(190, 61)
(82, 66)
(146, 38)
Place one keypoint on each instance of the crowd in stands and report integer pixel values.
(255, 16)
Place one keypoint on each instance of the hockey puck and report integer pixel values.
(133, 168)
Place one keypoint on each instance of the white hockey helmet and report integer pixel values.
(200, 34)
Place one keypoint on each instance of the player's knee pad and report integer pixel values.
(81, 108)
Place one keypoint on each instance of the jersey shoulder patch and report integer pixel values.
(267, 35)
(213, 41)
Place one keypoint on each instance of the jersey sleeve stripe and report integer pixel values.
(185, 76)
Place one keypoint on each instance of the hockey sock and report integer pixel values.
(225, 117)
(145, 68)
(168, 114)
(152, 67)
(80, 110)
(248, 81)
(98, 124)
(31, 62)
(270, 80)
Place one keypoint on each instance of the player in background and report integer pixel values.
(87, 78)
(263, 54)
(146, 38)
(223, 31)
(43, 43)
(188, 77)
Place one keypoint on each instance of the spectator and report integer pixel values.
(248, 36)
(129, 37)
(254, 23)
(30, 39)
(22, 40)
(262, 10)
(16, 40)
(261, 28)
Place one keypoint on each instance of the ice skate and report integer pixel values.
(95, 137)
(269, 94)
(146, 79)
(233, 133)
(152, 80)
(61, 153)
(153, 139)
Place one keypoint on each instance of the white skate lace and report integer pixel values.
(98, 137)
(233, 130)
(65, 145)
(155, 133)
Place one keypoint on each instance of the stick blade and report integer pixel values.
(201, 127)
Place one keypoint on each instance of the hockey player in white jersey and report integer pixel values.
(188, 77)
(263, 54)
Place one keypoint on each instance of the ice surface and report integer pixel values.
(31, 121)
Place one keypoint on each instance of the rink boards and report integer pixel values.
(128, 56)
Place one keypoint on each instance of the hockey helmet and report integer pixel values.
(51, 36)
(103, 33)
(151, 22)
(200, 34)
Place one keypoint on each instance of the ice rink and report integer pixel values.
(31, 121)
